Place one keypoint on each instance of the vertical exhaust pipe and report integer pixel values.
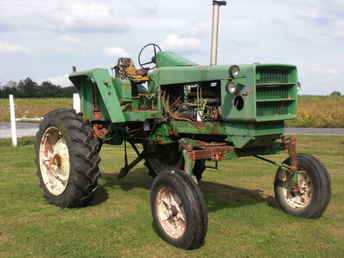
(215, 30)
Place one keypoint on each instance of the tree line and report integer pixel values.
(27, 88)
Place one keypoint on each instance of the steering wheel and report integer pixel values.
(143, 65)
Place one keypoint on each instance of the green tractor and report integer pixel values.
(179, 116)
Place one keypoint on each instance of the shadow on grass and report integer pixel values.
(100, 196)
(137, 178)
(218, 196)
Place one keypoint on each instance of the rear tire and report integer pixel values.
(67, 159)
(179, 211)
(308, 192)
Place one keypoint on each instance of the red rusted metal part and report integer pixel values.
(55, 160)
(290, 146)
(212, 127)
(215, 115)
(210, 152)
(99, 129)
(175, 117)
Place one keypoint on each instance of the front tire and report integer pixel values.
(305, 193)
(67, 159)
(179, 210)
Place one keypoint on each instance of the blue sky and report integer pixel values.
(44, 39)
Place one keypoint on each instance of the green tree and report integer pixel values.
(335, 93)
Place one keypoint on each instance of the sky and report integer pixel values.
(44, 39)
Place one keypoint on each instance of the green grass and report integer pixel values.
(244, 220)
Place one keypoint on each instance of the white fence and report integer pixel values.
(14, 120)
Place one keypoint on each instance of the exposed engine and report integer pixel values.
(192, 102)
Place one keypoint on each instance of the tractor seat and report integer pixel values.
(142, 72)
(125, 69)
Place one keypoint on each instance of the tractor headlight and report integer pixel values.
(234, 71)
(232, 88)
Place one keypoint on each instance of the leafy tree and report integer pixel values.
(27, 88)
(335, 93)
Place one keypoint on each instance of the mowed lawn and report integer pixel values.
(244, 220)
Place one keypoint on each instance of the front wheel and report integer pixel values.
(306, 192)
(179, 210)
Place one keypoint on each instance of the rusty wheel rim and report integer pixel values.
(297, 189)
(170, 213)
(54, 161)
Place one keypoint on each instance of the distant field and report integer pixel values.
(319, 111)
(244, 220)
(32, 107)
(313, 111)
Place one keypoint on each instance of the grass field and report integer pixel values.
(32, 107)
(313, 111)
(319, 111)
(244, 220)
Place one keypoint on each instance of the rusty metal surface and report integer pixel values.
(290, 146)
(175, 117)
(211, 153)
(99, 128)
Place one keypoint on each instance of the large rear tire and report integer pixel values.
(67, 159)
(305, 193)
(179, 211)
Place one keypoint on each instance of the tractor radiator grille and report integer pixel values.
(273, 76)
(272, 108)
(275, 93)
(272, 92)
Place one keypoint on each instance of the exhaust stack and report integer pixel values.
(215, 30)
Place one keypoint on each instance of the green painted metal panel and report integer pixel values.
(268, 93)
(141, 115)
(164, 59)
(276, 92)
(214, 128)
(86, 98)
(106, 87)
(189, 74)
(123, 89)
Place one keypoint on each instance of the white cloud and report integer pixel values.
(8, 48)
(150, 7)
(61, 80)
(115, 51)
(69, 38)
(339, 28)
(86, 17)
(174, 42)
(200, 29)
